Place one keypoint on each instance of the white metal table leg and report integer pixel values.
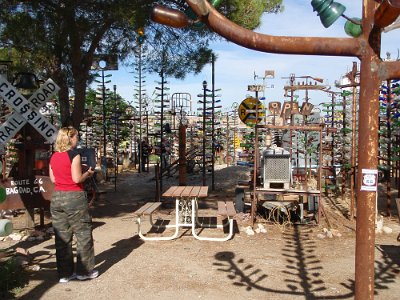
(216, 239)
(161, 238)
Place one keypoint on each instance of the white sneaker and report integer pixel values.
(67, 279)
(92, 275)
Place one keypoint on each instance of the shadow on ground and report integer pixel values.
(303, 274)
(47, 277)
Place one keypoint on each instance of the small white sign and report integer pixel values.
(369, 180)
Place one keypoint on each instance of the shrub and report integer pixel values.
(154, 158)
(11, 278)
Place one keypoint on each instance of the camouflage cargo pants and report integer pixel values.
(70, 215)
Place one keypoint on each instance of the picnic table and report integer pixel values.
(186, 213)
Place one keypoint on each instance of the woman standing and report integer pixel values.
(69, 209)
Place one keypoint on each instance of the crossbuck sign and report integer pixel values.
(27, 110)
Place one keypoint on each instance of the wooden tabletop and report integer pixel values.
(186, 191)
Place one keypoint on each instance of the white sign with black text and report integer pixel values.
(369, 180)
(27, 110)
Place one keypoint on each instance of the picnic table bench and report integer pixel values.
(186, 213)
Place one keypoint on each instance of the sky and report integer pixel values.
(236, 66)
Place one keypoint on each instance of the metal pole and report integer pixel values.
(204, 131)
(306, 172)
(104, 124)
(212, 124)
(234, 106)
(147, 134)
(292, 79)
(140, 157)
(131, 140)
(353, 149)
(234, 132)
(115, 138)
(162, 129)
(182, 154)
(255, 165)
(104, 114)
(367, 156)
(344, 171)
(333, 169)
(227, 139)
(389, 148)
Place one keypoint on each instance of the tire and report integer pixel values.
(228, 159)
(239, 200)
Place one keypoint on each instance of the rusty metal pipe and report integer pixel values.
(275, 44)
(367, 49)
(367, 156)
(386, 13)
(389, 70)
(168, 16)
(353, 140)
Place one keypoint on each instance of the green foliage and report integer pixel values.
(185, 51)
(114, 103)
(154, 158)
(58, 39)
(12, 278)
(248, 13)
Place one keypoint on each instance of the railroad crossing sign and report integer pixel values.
(248, 109)
(27, 110)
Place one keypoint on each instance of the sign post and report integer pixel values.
(27, 111)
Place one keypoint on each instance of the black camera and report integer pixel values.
(88, 157)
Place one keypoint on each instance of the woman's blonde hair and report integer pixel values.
(63, 141)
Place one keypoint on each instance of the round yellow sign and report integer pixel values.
(249, 108)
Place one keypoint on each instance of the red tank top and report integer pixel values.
(60, 163)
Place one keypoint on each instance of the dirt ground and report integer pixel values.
(286, 262)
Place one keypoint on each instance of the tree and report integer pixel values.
(186, 50)
(61, 38)
(58, 39)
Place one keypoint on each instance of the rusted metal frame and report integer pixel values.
(319, 175)
(389, 70)
(366, 49)
(304, 128)
(290, 127)
(182, 155)
(353, 140)
(320, 166)
(332, 171)
(344, 170)
(353, 84)
(165, 15)
(308, 174)
(227, 139)
(292, 79)
(213, 123)
(255, 165)
(276, 44)
(305, 87)
(367, 155)
(386, 13)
